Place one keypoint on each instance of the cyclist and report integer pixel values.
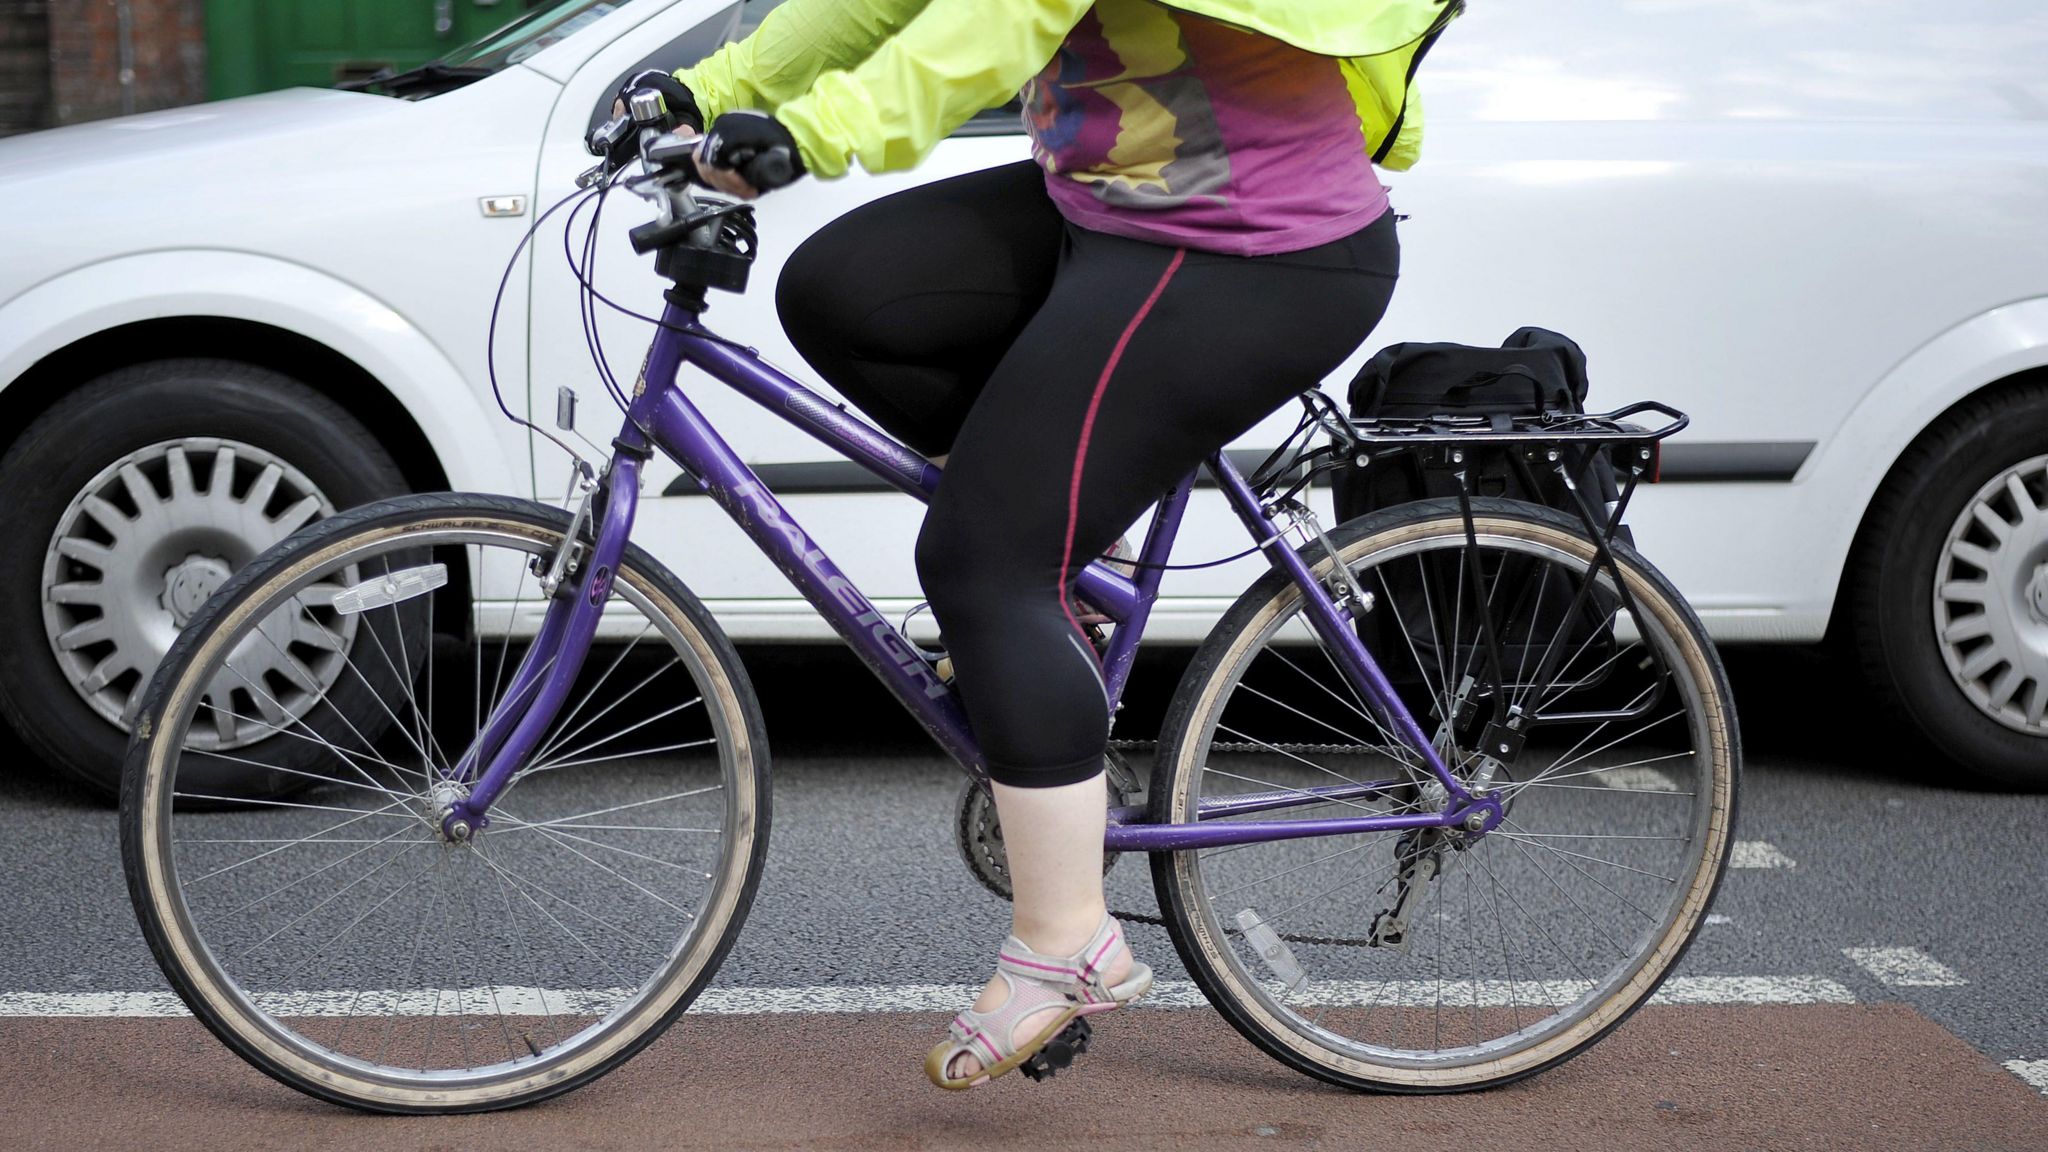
(1200, 236)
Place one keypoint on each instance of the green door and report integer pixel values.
(258, 45)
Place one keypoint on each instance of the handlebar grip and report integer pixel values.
(769, 170)
(651, 235)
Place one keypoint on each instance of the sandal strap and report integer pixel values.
(1078, 975)
(995, 1031)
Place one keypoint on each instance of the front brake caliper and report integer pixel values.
(562, 565)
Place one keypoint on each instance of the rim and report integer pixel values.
(1589, 1004)
(594, 1023)
(139, 550)
(1991, 598)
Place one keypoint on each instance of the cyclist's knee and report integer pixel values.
(969, 560)
(815, 305)
(946, 556)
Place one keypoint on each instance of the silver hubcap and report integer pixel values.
(143, 546)
(1991, 598)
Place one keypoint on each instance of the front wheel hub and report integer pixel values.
(445, 800)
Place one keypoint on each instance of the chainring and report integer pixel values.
(978, 832)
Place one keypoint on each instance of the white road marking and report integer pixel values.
(1715, 919)
(1758, 854)
(2034, 1072)
(1904, 967)
(915, 998)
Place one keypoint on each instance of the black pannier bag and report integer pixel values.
(1535, 372)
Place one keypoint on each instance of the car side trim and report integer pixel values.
(1736, 462)
(1710, 463)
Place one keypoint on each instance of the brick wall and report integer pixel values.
(61, 63)
(169, 45)
(24, 65)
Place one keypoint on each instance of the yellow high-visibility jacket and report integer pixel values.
(883, 81)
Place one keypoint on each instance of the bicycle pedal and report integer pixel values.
(1058, 1053)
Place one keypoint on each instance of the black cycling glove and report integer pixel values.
(680, 103)
(754, 145)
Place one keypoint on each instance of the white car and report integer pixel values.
(1821, 228)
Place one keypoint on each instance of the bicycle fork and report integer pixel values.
(576, 591)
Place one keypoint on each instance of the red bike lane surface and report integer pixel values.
(1805, 1077)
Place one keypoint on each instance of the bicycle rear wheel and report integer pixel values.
(1440, 962)
(334, 938)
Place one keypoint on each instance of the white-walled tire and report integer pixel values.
(1534, 940)
(340, 943)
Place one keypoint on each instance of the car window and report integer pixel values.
(702, 40)
(681, 52)
(1583, 60)
(545, 25)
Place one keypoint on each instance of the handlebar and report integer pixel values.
(761, 168)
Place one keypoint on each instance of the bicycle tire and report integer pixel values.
(185, 957)
(1196, 927)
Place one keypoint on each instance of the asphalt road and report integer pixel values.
(1916, 907)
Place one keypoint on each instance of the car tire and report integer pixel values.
(1948, 589)
(236, 456)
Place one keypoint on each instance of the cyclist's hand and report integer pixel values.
(679, 103)
(747, 153)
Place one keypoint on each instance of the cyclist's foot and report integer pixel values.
(1033, 1000)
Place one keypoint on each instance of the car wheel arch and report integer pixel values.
(1840, 614)
(317, 365)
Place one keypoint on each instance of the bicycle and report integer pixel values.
(442, 908)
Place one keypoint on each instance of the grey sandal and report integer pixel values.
(1037, 982)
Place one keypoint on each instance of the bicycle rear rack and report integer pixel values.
(1562, 443)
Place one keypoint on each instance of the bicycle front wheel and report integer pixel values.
(1432, 960)
(333, 937)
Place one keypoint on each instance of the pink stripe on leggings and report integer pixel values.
(1088, 430)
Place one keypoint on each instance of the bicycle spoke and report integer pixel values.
(542, 762)
(274, 851)
(568, 734)
(1441, 948)
(1291, 756)
(636, 754)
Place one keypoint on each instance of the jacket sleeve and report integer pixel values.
(798, 40)
(955, 58)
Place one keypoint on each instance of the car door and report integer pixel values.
(869, 533)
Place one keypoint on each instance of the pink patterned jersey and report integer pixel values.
(1166, 126)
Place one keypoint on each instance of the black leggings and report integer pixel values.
(1074, 377)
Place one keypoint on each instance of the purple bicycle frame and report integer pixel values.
(663, 417)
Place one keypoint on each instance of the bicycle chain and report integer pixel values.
(1301, 749)
(1243, 746)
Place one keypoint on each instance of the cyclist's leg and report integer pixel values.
(1143, 360)
(905, 305)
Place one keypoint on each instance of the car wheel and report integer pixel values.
(128, 502)
(1950, 588)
